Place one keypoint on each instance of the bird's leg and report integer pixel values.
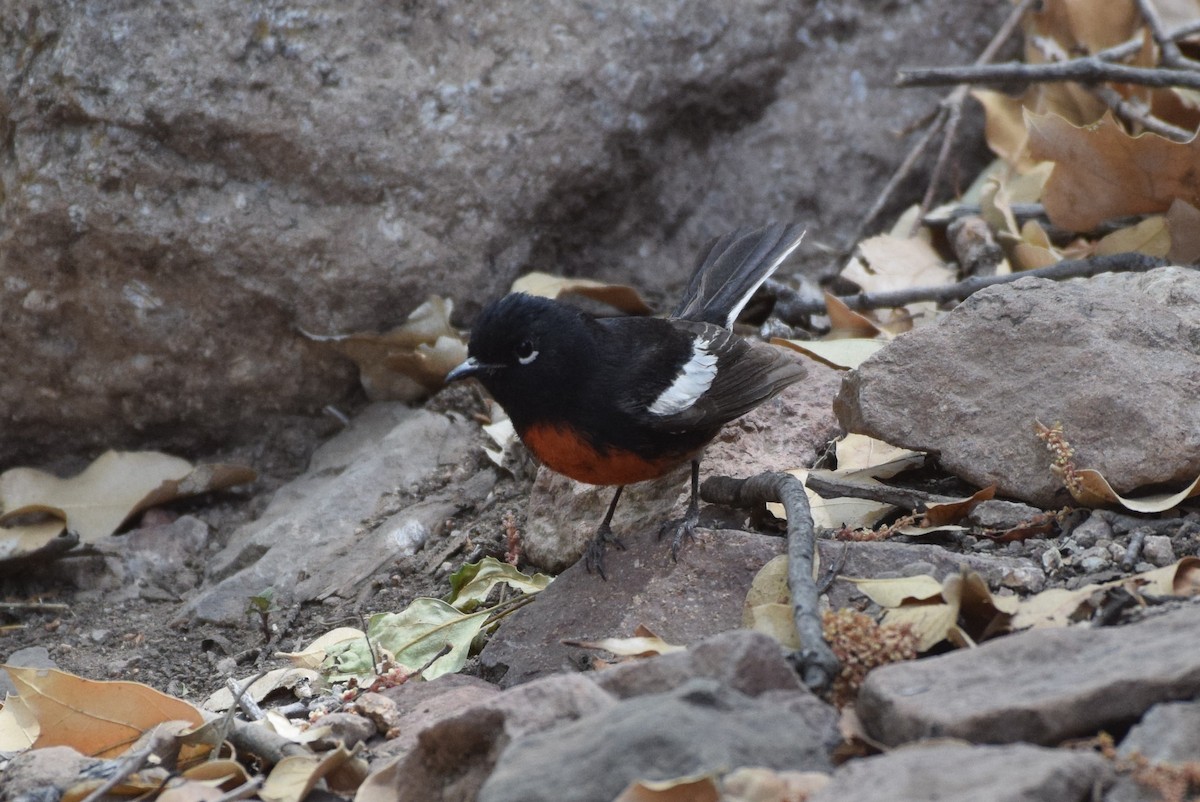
(685, 527)
(594, 556)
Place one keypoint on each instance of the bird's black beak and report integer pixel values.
(470, 367)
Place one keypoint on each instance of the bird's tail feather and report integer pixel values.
(731, 268)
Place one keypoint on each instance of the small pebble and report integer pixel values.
(1052, 560)
(1092, 530)
(1158, 550)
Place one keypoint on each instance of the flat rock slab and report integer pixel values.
(351, 512)
(1041, 686)
(1115, 359)
(963, 773)
(698, 728)
(683, 602)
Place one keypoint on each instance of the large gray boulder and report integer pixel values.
(186, 185)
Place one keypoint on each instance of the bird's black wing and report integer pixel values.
(729, 376)
(731, 268)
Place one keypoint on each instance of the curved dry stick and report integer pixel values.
(815, 662)
(791, 307)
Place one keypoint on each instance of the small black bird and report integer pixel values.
(617, 400)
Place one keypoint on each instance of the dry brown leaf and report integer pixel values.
(618, 296)
(1101, 172)
(100, 719)
(1183, 223)
(295, 776)
(408, 362)
(694, 788)
(1095, 491)
(25, 540)
(1060, 607)
(1150, 237)
(950, 512)
(1004, 128)
(118, 484)
(1084, 25)
(845, 323)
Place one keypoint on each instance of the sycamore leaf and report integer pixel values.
(1150, 237)
(1101, 172)
(693, 788)
(618, 296)
(643, 646)
(1183, 223)
(835, 513)
(471, 584)
(857, 451)
(18, 725)
(274, 680)
(1095, 491)
(841, 354)
(767, 607)
(110, 490)
(295, 776)
(1060, 607)
(408, 362)
(25, 540)
(949, 512)
(100, 719)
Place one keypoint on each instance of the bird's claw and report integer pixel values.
(593, 556)
(684, 530)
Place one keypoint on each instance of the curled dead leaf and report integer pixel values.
(408, 362)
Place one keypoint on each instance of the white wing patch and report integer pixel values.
(692, 382)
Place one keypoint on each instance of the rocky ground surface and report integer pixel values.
(392, 504)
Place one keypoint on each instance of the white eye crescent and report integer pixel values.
(525, 352)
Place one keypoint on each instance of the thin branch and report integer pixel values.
(1087, 70)
(791, 307)
(945, 119)
(1137, 113)
(827, 485)
(815, 661)
(1127, 49)
(1168, 50)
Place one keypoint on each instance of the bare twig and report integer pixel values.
(791, 308)
(159, 740)
(952, 106)
(36, 606)
(815, 661)
(945, 119)
(1127, 49)
(1135, 112)
(827, 486)
(1168, 50)
(242, 696)
(1087, 70)
(1137, 539)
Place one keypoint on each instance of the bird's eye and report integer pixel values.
(525, 352)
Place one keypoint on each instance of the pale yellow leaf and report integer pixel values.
(842, 354)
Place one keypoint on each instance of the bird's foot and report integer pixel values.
(593, 557)
(682, 529)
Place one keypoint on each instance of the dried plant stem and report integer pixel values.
(815, 661)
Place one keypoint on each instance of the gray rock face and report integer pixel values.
(1115, 358)
(1041, 686)
(700, 727)
(184, 187)
(962, 773)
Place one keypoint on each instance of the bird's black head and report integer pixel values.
(528, 352)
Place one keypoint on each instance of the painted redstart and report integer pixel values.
(617, 400)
